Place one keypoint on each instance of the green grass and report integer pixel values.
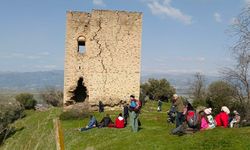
(37, 133)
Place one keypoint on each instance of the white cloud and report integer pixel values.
(32, 57)
(201, 59)
(17, 55)
(13, 55)
(99, 2)
(44, 53)
(46, 66)
(217, 17)
(172, 71)
(191, 59)
(164, 8)
(184, 71)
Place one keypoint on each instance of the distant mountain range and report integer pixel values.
(33, 81)
(30, 81)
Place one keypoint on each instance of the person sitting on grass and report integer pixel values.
(236, 120)
(207, 121)
(192, 118)
(210, 119)
(204, 122)
(92, 124)
(191, 123)
(222, 118)
(106, 122)
(119, 122)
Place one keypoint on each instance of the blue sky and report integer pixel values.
(179, 36)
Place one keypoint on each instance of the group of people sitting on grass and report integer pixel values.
(132, 111)
(190, 120)
(105, 122)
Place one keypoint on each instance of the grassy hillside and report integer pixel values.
(36, 132)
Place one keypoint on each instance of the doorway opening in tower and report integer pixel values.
(80, 93)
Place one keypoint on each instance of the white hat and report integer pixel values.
(175, 95)
(208, 111)
(236, 112)
(225, 109)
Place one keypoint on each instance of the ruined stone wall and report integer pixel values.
(110, 66)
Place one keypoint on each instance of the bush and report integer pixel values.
(52, 96)
(143, 98)
(9, 112)
(199, 102)
(242, 109)
(220, 93)
(26, 100)
(73, 114)
(157, 89)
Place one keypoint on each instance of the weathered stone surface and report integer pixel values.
(110, 66)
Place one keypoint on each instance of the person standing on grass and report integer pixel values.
(179, 110)
(125, 113)
(101, 107)
(134, 114)
(159, 105)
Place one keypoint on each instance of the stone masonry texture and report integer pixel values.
(110, 65)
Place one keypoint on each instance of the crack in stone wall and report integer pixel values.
(100, 48)
(97, 40)
(110, 53)
(120, 27)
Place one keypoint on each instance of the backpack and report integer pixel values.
(138, 104)
(133, 104)
(192, 119)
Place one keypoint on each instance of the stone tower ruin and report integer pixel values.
(102, 57)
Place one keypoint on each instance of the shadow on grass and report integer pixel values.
(140, 128)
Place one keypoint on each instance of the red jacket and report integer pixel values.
(119, 122)
(222, 119)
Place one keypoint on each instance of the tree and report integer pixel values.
(27, 100)
(10, 111)
(198, 89)
(238, 75)
(157, 89)
(52, 96)
(220, 93)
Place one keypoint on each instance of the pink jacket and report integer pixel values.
(204, 124)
